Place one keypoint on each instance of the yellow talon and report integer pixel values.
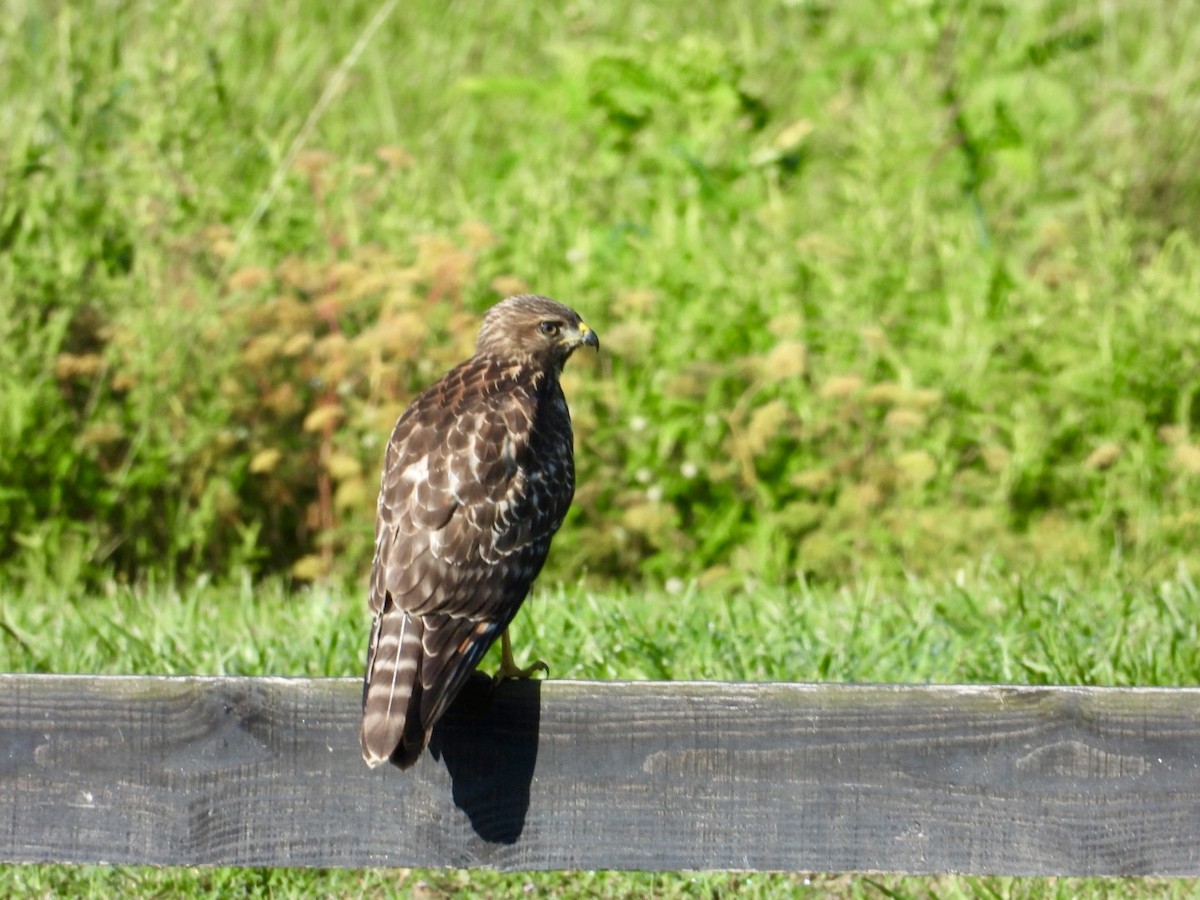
(508, 665)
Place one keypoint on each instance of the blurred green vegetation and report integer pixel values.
(881, 287)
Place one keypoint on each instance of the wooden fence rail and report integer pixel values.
(599, 775)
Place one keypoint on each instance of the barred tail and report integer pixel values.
(391, 723)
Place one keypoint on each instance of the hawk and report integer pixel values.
(477, 478)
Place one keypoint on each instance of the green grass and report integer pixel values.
(983, 626)
(900, 377)
(96, 882)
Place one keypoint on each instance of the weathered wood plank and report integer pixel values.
(918, 779)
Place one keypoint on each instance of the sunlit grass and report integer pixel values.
(90, 881)
(982, 626)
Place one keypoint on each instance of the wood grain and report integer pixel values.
(605, 775)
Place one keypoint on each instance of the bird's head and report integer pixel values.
(536, 329)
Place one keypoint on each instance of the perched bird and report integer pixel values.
(477, 478)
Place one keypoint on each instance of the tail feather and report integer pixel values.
(416, 666)
(391, 723)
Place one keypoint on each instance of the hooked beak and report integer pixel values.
(588, 337)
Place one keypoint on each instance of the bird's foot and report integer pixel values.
(508, 666)
(514, 671)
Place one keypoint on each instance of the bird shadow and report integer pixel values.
(488, 740)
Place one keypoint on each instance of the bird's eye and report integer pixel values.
(548, 328)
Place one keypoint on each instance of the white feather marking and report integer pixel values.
(473, 455)
(508, 453)
(396, 665)
(417, 472)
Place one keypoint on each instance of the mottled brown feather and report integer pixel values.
(477, 478)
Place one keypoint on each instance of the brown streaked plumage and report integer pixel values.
(477, 478)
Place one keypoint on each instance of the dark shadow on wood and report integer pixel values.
(489, 742)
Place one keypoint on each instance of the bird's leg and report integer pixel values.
(508, 665)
